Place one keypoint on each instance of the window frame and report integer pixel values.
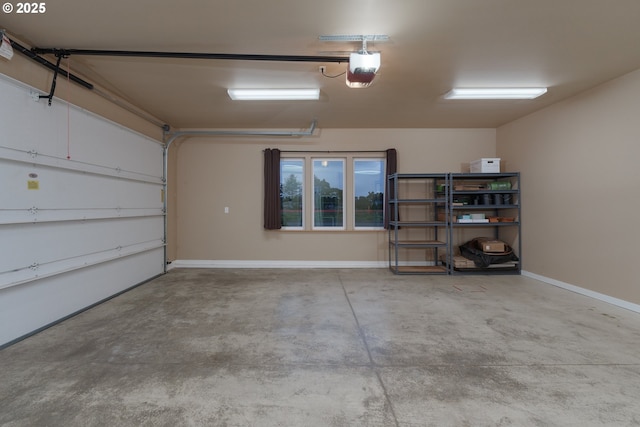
(353, 192)
(304, 204)
(342, 160)
(348, 193)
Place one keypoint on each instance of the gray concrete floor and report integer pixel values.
(330, 348)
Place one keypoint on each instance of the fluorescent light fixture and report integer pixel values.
(273, 94)
(496, 93)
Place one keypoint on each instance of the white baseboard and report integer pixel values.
(197, 263)
(586, 292)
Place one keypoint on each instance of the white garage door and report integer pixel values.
(81, 210)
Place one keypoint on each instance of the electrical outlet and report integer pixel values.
(322, 69)
(226, 209)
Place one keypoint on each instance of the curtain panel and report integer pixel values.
(272, 208)
(392, 167)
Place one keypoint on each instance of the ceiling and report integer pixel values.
(567, 45)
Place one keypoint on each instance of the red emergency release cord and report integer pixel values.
(68, 109)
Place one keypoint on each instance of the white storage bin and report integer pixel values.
(485, 165)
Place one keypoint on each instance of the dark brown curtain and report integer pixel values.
(392, 167)
(272, 208)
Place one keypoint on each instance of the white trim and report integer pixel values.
(204, 263)
(315, 227)
(353, 190)
(586, 292)
(303, 184)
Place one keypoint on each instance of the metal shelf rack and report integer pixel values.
(418, 232)
(425, 228)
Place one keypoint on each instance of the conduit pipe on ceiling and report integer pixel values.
(241, 132)
(170, 137)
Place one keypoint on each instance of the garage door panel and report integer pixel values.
(25, 186)
(61, 132)
(45, 243)
(81, 210)
(54, 298)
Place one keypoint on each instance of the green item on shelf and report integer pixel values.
(500, 185)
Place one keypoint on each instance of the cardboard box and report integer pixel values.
(459, 261)
(485, 165)
(469, 187)
(493, 246)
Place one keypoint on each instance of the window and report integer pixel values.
(368, 184)
(332, 192)
(291, 192)
(328, 192)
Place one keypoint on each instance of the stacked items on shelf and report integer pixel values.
(458, 261)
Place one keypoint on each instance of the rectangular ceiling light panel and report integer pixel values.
(273, 94)
(496, 93)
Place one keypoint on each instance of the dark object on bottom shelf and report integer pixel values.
(493, 268)
(462, 264)
(473, 250)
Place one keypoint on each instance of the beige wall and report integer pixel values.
(212, 173)
(579, 161)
